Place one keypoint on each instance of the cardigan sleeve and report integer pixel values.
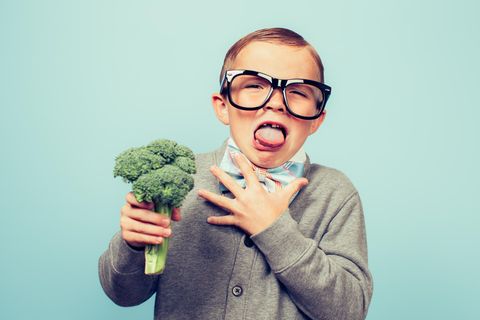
(122, 276)
(329, 279)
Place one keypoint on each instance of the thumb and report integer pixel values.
(176, 215)
(294, 186)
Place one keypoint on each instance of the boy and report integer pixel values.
(257, 239)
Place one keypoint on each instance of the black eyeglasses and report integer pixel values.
(250, 90)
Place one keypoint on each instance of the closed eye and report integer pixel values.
(254, 86)
(300, 93)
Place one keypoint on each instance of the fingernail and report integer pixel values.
(167, 232)
(159, 240)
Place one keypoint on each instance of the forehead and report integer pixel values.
(278, 60)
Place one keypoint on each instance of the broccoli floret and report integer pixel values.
(165, 148)
(160, 173)
(134, 162)
(166, 186)
(183, 151)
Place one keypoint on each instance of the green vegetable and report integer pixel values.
(160, 173)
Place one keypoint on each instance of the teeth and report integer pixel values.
(276, 126)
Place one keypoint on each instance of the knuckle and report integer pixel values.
(166, 222)
(125, 235)
(238, 215)
(257, 188)
(123, 222)
(167, 232)
(162, 221)
(129, 197)
(152, 240)
(124, 209)
(135, 227)
(243, 197)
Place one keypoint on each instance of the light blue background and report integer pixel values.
(80, 81)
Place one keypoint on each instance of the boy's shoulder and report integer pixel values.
(207, 159)
(322, 177)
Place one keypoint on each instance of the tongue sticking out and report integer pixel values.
(270, 137)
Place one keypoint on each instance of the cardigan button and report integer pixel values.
(237, 291)
(248, 242)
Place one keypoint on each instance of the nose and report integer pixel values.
(276, 101)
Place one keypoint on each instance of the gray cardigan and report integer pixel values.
(311, 263)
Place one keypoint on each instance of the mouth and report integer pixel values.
(269, 135)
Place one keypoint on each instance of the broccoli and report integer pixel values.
(160, 173)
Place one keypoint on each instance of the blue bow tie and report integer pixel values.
(271, 179)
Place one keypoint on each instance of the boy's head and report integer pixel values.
(269, 117)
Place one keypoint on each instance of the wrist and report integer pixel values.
(261, 225)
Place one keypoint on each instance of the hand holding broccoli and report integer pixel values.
(159, 173)
(141, 225)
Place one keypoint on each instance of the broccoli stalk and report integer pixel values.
(160, 173)
(156, 255)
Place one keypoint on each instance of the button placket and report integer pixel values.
(241, 273)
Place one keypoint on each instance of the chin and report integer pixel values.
(267, 157)
(267, 160)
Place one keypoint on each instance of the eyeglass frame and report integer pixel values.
(274, 83)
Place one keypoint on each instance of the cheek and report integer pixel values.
(240, 130)
(301, 131)
(241, 120)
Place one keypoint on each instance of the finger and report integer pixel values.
(228, 220)
(130, 197)
(176, 215)
(294, 186)
(214, 198)
(132, 225)
(246, 169)
(227, 180)
(278, 186)
(140, 238)
(145, 216)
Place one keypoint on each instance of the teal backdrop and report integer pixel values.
(80, 81)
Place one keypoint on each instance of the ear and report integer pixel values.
(221, 108)
(317, 122)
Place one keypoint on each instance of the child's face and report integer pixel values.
(279, 61)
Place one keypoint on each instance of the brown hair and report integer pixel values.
(272, 35)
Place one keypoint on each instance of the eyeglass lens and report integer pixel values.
(251, 91)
